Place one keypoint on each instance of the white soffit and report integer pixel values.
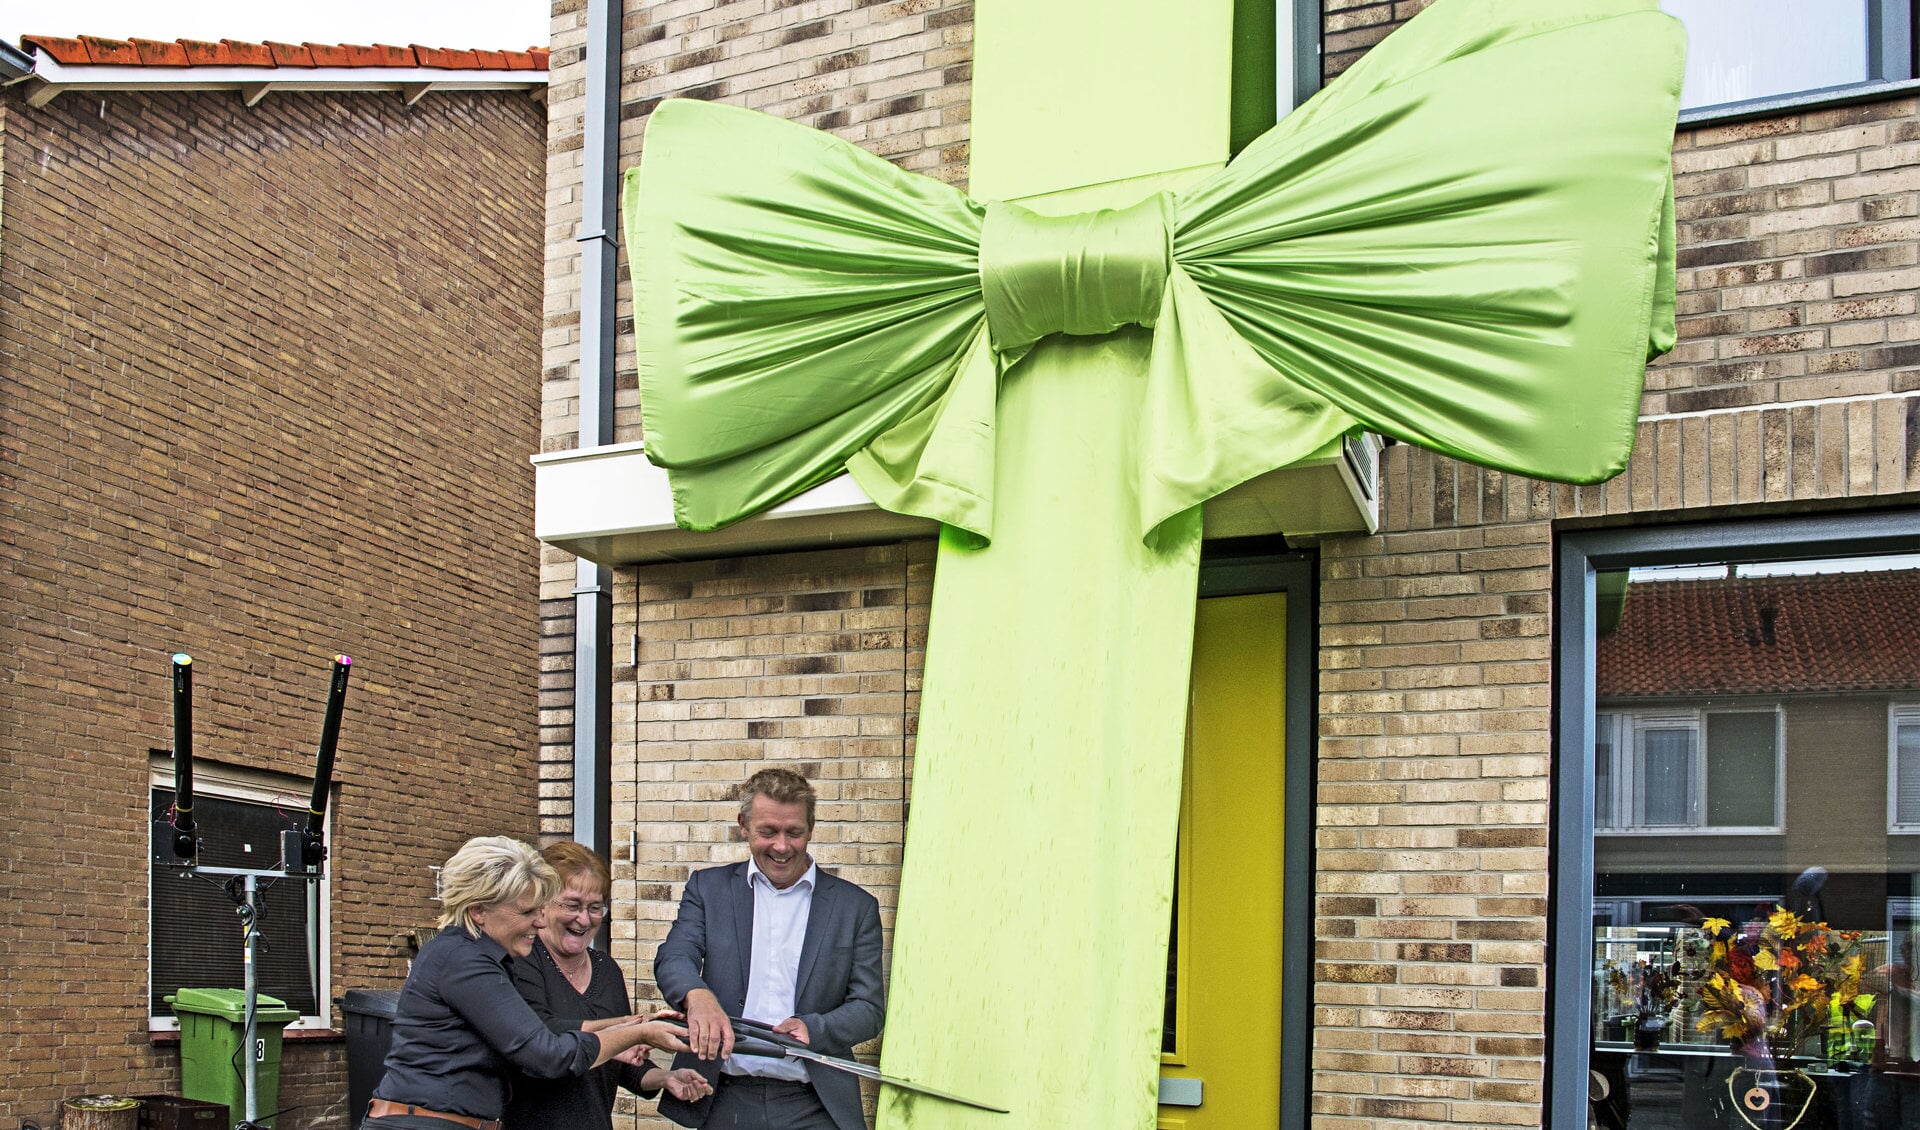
(51, 78)
(611, 505)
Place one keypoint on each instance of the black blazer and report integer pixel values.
(838, 995)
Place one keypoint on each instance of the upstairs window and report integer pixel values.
(1687, 770)
(1751, 50)
(1903, 734)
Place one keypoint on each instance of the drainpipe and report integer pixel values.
(593, 583)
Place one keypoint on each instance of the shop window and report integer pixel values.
(1687, 770)
(194, 940)
(1733, 923)
(1903, 733)
(1741, 51)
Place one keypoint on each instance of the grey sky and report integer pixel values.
(492, 24)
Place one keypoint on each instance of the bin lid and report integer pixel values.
(232, 1004)
(371, 1002)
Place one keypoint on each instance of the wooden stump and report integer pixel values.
(100, 1112)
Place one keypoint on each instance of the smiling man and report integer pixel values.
(777, 940)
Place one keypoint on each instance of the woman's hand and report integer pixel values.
(664, 1030)
(688, 1085)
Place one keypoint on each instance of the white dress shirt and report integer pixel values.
(773, 973)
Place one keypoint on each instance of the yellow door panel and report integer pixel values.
(1225, 984)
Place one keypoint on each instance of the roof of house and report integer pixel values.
(90, 62)
(1830, 632)
(96, 51)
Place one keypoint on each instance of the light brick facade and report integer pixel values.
(1795, 389)
(266, 400)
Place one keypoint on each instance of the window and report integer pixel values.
(1735, 707)
(1742, 51)
(1686, 770)
(1903, 752)
(193, 936)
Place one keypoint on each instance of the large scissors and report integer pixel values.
(751, 1037)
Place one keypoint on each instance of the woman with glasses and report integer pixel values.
(574, 987)
(460, 1027)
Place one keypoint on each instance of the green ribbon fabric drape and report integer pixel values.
(1465, 243)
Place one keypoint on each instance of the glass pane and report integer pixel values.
(1907, 761)
(1603, 785)
(1666, 779)
(1740, 769)
(1742, 49)
(1760, 853)
(196, 942)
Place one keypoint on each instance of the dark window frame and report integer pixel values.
(1579, 556)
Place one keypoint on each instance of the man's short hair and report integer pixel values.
(782, 786)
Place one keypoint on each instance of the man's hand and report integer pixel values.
(793, 1026)
(688, 1085)
(709, 1032)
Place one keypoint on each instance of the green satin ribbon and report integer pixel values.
(1462, 245)
(1465, 243)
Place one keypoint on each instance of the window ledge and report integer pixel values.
(1689, 831)
(1729, 112)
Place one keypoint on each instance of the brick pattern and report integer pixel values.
(266, 400)
(1792, 390)
(893, 77)
(1801, 259)
(810, 660)
(1435, 706)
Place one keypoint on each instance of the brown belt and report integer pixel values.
(383, 1108)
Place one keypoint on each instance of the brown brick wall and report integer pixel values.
(1792, 391)
(893, 77)
(809, 660)
(265, 399)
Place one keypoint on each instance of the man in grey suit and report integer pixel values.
(777, 940)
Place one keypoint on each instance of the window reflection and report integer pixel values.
(1757, 848)
(1743, 49)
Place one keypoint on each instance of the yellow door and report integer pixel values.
(1220, 1067)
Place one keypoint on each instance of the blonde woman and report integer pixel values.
(460, 1023)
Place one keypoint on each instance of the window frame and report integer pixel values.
(251, 786)
(1891, 73)
(1631, 719)
(1900, 712)
(1579, 555)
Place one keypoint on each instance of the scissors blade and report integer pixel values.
(794, 1049)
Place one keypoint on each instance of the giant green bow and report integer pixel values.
(1465, 243)
(1450, 246)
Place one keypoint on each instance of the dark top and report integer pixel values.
(585, 1103)
(459, 1024)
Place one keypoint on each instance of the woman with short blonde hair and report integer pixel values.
(489, 870)
(460, 1024)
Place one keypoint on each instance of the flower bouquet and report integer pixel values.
(1782, 984)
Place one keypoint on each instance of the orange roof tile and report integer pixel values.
(91, 50)
(1765, 635)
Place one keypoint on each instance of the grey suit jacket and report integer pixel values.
(838, 995)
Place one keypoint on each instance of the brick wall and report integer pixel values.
(266, 400)
(892, 77)
(809, 660)
(1793, 390)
